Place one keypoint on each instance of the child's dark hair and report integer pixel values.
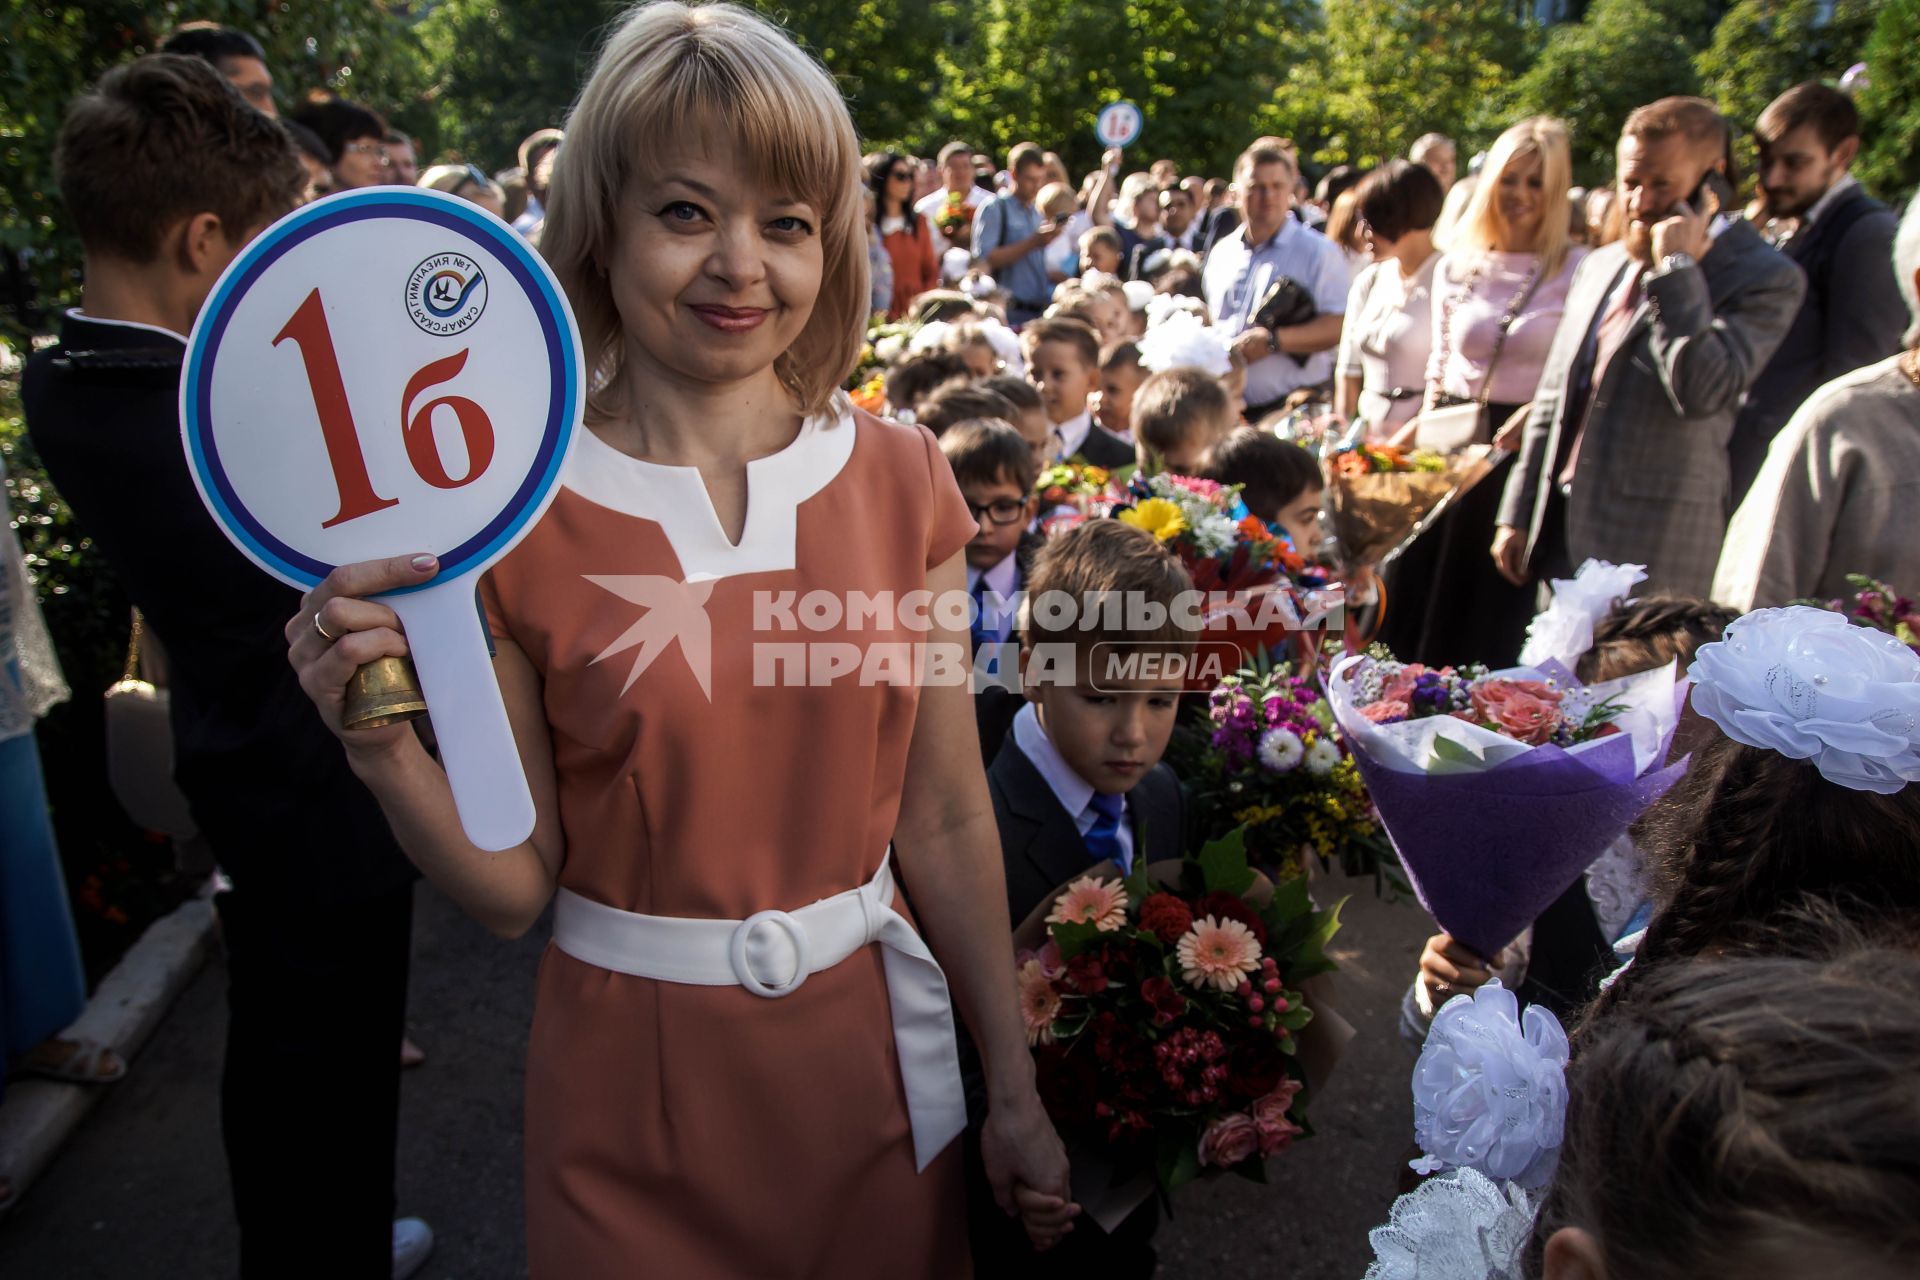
(1179, 280)
(942, 304)
(163, 138)
(910, 381)
(1640, 635)
(1747, 831)
(957, 400)
(1271, 472)
(1122, 354)
(1077, 334)
(1740, 1111)
(339, 122)
(1178, 406)
(984, 451)
(1017, 391)
(1107, 560)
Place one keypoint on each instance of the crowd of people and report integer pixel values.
(1717, 384)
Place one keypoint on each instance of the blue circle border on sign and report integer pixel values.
(1100, 122)
(558, 336)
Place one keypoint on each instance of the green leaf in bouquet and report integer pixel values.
(1223, 864)
(1138, 884)
(1447, 751)
(1253, 1169)
(1176, 1155)
(1298, 1015)
(1072, 939)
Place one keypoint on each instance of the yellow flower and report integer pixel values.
(1158, 517)
(1095, 476)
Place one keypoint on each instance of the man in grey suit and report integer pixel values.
(1624, 455)
(1843, 240)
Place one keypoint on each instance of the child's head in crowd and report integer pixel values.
(914, 378)
(1096, 308)
(1063, 359)
(1280, 482)
(1100, 250)
(957, 400)
(1179, 415)
(167, 173)
(1120, 378)
(995, 470)
(1745, 1116)
(1103, 693)
(1029, 415)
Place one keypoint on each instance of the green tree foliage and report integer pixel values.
(1890, 158)
(52, 52)
(1200, 70)
(1762, 48)
(1593, 73)
(1383, 72)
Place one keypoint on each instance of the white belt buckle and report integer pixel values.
(737, 954)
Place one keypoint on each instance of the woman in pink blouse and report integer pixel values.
(1381, 372)
(1498, 294)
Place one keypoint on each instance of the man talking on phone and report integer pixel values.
(1624, 454)
(1010, 237)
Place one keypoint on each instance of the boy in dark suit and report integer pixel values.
(1078, 782)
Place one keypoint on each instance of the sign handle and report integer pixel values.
(469, 715)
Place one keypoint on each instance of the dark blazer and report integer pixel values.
(1215, 225)
(1654, 484)
(1043, 849)
(1102, 448)
(1853, 316)
(268, 784)
(1039, 842)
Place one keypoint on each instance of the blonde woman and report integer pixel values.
(706, 221)
(1498, 293)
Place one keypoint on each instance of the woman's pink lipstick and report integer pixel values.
(732, 319)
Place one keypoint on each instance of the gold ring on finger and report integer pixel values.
(326, 635)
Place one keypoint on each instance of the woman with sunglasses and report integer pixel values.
(905, 234)
(470, 182)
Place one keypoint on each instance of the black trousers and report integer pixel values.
(310, 1100)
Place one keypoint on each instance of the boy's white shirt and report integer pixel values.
(1072, 434)
(1072, 791)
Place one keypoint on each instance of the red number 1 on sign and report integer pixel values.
(307, 328)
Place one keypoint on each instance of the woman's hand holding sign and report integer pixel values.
(337, 631)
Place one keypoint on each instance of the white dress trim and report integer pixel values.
(676, 498)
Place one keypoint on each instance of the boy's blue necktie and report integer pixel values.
(981, 633)
(1103, 837)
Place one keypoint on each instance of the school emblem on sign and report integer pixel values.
(446, 294)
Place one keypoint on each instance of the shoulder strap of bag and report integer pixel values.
(1514, 309)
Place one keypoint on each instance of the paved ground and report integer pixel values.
(141, 1191)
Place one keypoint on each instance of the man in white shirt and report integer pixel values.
(1269, 246)
(957, 171)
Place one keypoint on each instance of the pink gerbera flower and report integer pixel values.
(1039, 1003)
(1100, 903)
(1218, 953)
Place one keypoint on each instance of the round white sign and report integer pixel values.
(1119, 124)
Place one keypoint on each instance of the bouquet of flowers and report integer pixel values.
(1076, 488)
(1876, 605)
(1379, 498)
(955, 218)
(1266, 758)
(1500, 788)
(1208, 527)
(1163, 1011)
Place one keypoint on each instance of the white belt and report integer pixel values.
(771, 953)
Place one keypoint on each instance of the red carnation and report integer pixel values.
(1231, 906)
(1167, 1002)
(1087, 975)
(1166, 917)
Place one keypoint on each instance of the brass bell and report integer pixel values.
(385, 691)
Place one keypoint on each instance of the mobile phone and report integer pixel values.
(1716, 182)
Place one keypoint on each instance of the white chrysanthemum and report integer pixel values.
(1322, 756)
(1212, 532)
(1182, 341)
(1280, 750)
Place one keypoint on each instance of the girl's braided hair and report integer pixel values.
(1741, 1110)
(1639, 635)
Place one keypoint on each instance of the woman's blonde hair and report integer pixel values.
(1480, 225)
(670, 73)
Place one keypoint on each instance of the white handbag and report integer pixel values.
(140, 750)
